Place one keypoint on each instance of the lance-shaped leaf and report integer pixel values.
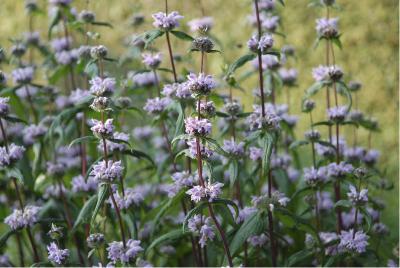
(182, 35)
(102, 195)
(239, 63)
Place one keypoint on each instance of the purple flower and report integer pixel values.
(354, 154)
(80, 185)
(282, 161)
(349, 217)
(327, 238)
(371, 157)
(132, 196)
(109, 172)
(213, 190)
(61, 44)
(270, 121)
(11, 156)
(196, 193)
(207, 233)
(152, 61)
(392, 263)
(103, 130)
(142, 79)
(235, 149)
(320, 73)
(327, 28)
(117, 252)
(245, 213)
(357, 198)
(201, 84)
(325, 202)
(156, 105)
(54, 191)
(270, 23)
(78, 95)
(288, 76)
(293, 174)
(380, 229)
(22, 75)
(201, 24)
(32, 133)
(57, 255)
(114, 146)
(337, 114)
(197, 127)
(4, 106)
(23, 218)
(182, 179)
(255, 153)
(340, 170)
(183, 92)
(205, 152)
(266, 5)
(170, 89)
(143, 132)
(102, 86)
(194, 223)
(166, 22)
(67, 57)
(60, 2)
(257, 240)
(349, 241)
(313, 176)
(266, 42)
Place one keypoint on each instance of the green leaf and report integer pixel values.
(59, 72)
(138, 154)
(213, 144)
(91, 68)
(343, 203)
(367, 217)
(101, 23)
(5, 236)
(14, 119)
(86, 212)
(313, 89)
(327, 144)
(267, 145)
(254, 225)
(150, 36)
(179, 121)
(120, 141)
(181, 137)
(323, 123)
(233, 171)
(102, 195)
(167, 205)
(296, 144)
(15, 173)
(337, 42)
(82, 140)
(56, 19)
(227, 203)
(347, 92)
(182, 35)
(298, 257)
(239, 63)
(169, 237)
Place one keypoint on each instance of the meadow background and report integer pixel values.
(369, 55)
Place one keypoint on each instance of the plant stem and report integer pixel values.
(260, 76)
(210, 209)
(171, 57)
(121, 226)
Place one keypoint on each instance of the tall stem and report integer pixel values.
(171, 57)
(260, 76)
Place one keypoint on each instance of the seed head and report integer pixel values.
(203, 44)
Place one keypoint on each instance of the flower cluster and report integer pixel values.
(209, 190)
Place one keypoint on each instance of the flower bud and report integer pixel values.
(95, 240)
(354, 86)
(312, 135)
(203, 44)
(124, 102)
(87, 16)
(98, 52)
(55, 232)
(18, 50)
(99, 104)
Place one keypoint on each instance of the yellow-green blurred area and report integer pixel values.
(370, 55)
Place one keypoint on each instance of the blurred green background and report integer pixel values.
(369, 55)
